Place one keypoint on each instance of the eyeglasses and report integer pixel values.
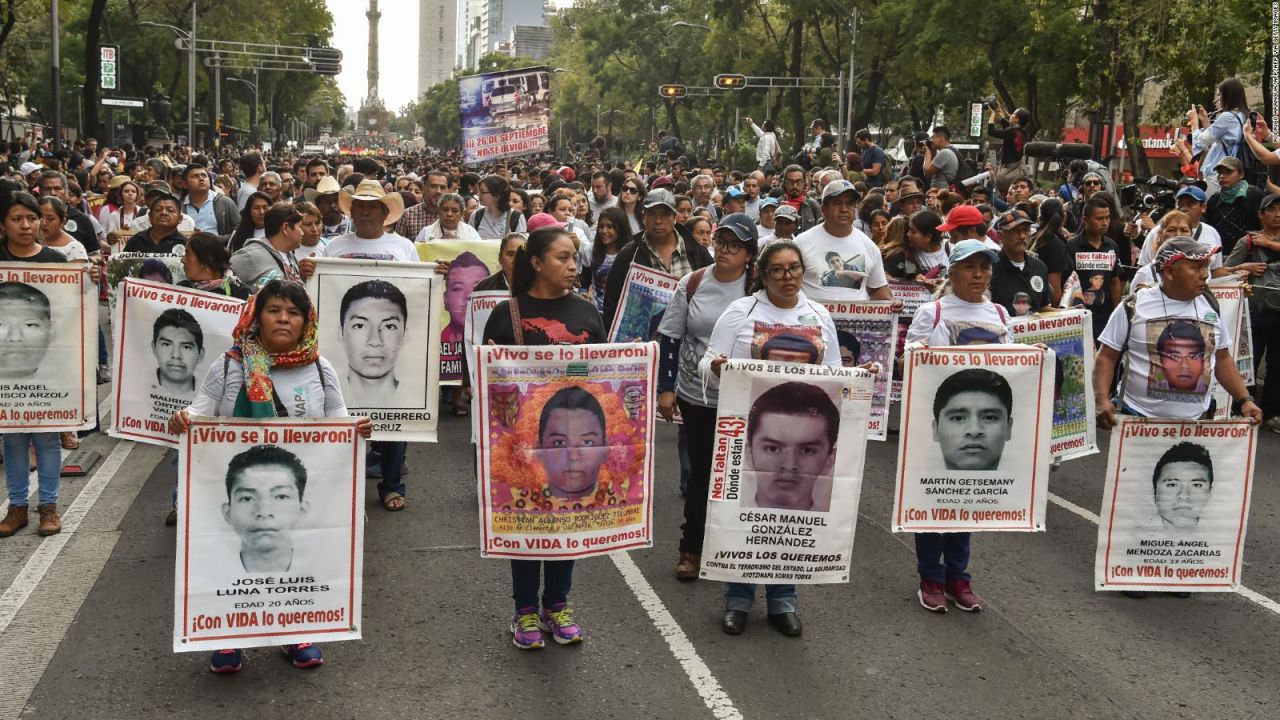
(777, 272)
(732, 247)
(1097, 183)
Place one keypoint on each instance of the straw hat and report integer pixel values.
(327, 186)
(118, 180)
(372, 190)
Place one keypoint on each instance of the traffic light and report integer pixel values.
(324, 54)
(731, 81)
(672, 92)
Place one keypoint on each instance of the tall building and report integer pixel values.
(530, 41)
(489, 22)
(437, 41)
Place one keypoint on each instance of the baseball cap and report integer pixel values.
(159, 187)
(661, 196)
(1230, 162)
(786, 212)
(734, 193)
(541, 220)
(768, 202)
(1182, 248)
(28, 168)
(1268, 201)
(1012, 219)
(1193, 192)
(962, 216)
(839, 187)
(567, 174)
(741, 225)
(664, 181)
(965, 248)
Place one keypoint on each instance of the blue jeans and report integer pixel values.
(391, 460)
(102, 348)
(778, 598)
(172, 455)
(942, 557)
(525, 579)
(48, 466)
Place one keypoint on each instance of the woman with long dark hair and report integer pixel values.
(253, 220)
(1050, 246)
(631, 200)
(207, 265)
(495, 218)
(613, 231)
(1221, 137)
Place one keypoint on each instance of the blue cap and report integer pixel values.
(734, 193)
(965, 248)
(839, 187)
(768, 202)
(1192, 191)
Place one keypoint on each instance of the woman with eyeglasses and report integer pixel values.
(495, 218)
(798, 330)
(631, 200)
(699, 300)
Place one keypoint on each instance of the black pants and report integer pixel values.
(700, 430)
(1266, 343)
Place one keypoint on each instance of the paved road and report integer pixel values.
(91, 636)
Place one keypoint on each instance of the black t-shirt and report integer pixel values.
(83, 231)
(46, 255)
(141, 243)
(1095, 266)
(1021, 291)
(567, 320)
(1052, 251)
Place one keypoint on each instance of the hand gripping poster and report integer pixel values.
(378, 326)
(1069, 334)
(270, 533)
(166, 338)
(1232, 305)
(973, 453)
(786, 472)
(470, 261)
(868, 332)
(566, 449)
(912, 295)
(645, 296)
(1175, 505)
(479, 307)
(48, 364)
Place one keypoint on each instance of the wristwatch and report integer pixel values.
(1247, 398)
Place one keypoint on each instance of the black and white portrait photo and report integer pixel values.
(792, 431)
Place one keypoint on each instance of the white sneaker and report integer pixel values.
(1273, 424)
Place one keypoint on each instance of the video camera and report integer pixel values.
(1153, 195)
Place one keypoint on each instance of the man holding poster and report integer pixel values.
(1172, 338)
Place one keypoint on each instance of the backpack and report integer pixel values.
(1263, 299)
(965, 169)
(513, 219)
(1254, 171)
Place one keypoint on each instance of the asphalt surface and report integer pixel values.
(91, 637)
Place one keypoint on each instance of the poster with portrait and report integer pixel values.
(166, 337)
(48, 364)
(868, 332)
(1175, 505)
(912, 295)
(270, 534)
(645, 297)
(165, 269)
(470, 261)
(566, 449)
(1069, 334)
(479, 307)
(378, 326)
(973, 453)
(786, 472)
(1233, 307)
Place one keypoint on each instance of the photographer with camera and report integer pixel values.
(1012, 132)
(1222, 136)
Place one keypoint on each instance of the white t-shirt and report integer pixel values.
(302, 252)
(753, 327)
(952, 321)
(862, 268)
(1168, 382)
(388, 247)
(929, 261)
(72, 251)
(299, 389)
(434, 231)
(1208, 236)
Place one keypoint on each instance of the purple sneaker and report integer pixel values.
(525, 632)
(558, 620)
(304, 655)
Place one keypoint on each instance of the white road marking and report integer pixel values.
(1254, 597)
(699, 674)
(40, 561)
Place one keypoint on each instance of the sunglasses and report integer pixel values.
(1092, 183)
(629, 189)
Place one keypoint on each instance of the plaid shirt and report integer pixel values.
(680, 265)
(414, 219)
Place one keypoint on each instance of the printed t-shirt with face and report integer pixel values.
(849, 277)
(752, 327)
(952, 321)
(1095, 267)
(389, 246)
(1170, 354)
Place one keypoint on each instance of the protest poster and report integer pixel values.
(566, 452)
(645, 297)
(378, 326)
(470, 261)
(479, 307)
(48, 368)
(1069, 334)
(973, 453)
(1233, 308)
(166, 338)
(786, 472)
(1175, 505)
(912, 295)
(505, 114)
(868, 332)
(165, 269)
(1244, 353)
(270, 533)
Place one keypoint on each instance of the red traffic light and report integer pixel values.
(673, 91)
(731, 81)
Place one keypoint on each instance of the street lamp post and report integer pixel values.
(191, 69)
(56, 64)
(253, 110)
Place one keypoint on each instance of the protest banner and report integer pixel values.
(378, 326)
(566, 453)
(1244, 353)
(1175, 505)
(868, 332)
(1233, 307)
(645, 297)
(166, 338)
(165, 269)
(773, 520)
(48, 370)
(270, 533)
(973, 453)
(470, 261)
(479, 307)
(912, 295)
(1069, 334)
(505, 114)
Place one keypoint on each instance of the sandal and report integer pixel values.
(393, 502)
(70, 441)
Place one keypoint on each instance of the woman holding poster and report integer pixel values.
(776, 322)
(275, 347)
(544, 310)
(700, 299)
(964, 315)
